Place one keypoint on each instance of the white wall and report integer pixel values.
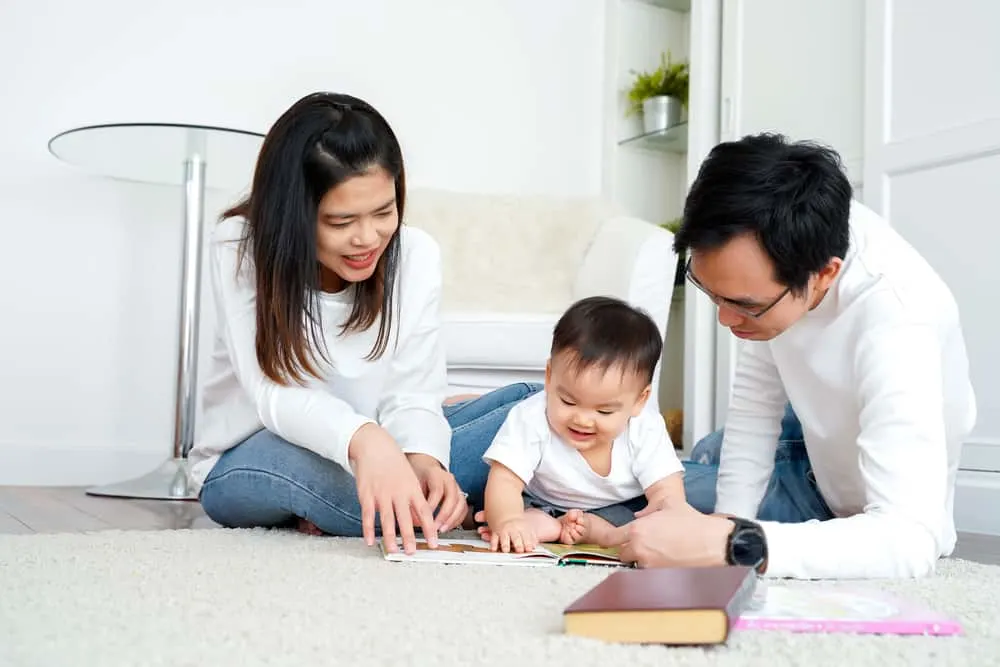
(481, 94)
(801, 70)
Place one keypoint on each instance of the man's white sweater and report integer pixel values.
(879, 378)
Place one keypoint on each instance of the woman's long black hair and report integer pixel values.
(319, 142)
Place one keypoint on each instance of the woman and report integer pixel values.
(323, 405)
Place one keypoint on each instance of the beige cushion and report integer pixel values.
(506, 253)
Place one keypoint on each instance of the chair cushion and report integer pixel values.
(506, 253)
(491, 340)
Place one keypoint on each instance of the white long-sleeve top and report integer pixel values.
(879, 378)
(402, 391)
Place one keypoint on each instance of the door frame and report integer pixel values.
(705, 50)
(731, 92)
(731, 85)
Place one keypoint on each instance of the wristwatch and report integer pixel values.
(746, 545)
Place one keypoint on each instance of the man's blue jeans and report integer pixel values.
(267, 481)
(791, 496)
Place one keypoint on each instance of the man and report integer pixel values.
(852, 356)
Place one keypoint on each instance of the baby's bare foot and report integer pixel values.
(597, 531)
(573, 527)
(308, 527)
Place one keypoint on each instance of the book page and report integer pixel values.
(780, 602)
(584, 552)
(841, 610)
(469, 551)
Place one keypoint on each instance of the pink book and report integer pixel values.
(829, 610)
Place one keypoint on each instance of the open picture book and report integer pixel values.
(475, 551)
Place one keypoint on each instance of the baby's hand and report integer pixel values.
(516, 533)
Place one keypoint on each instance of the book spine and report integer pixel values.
(741, 599)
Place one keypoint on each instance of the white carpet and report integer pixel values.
(220, 597)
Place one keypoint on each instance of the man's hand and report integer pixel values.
(666, 493)
(676, 536)
(440, 489)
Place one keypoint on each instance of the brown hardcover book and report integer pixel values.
(677, 606)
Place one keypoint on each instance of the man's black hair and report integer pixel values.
(606, 332)
(794, 197)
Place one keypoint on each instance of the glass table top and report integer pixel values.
(156, 152)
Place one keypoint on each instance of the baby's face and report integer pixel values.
(590, 408)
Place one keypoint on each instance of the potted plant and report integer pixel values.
(660, 95)
(673, 226)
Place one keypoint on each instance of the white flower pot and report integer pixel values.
(660, 112)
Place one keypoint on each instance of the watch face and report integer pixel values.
(748, 547)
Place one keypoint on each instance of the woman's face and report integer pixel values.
(355, 222)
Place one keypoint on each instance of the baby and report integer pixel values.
(581, 456)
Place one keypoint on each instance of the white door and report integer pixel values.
(796, 68)
(932, 167)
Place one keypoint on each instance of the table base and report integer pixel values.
(168, 482)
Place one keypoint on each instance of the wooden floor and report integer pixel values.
(60, 509)
(25, 509)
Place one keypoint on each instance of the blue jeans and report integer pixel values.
(791, 495)
(617, 515)
(266, 481)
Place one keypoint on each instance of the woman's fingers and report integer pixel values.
(426, 517)
(405, 525)
(457, 515)
(455, 507)
(446, 511)
(436, 490)
(367, 517)
(387, 515)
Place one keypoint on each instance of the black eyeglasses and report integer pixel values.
(729, 303)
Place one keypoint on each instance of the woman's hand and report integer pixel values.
(387, 484)
(441, 490)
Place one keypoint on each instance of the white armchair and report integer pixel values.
(513, 264)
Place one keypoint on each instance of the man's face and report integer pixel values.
(739, 278)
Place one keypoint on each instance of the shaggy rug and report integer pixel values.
(255, 597)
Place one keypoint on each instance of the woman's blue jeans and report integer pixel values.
(267, 481)
(791, 495)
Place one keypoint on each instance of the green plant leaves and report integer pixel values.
(669, 79)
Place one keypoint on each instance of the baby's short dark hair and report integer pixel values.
(604, 331)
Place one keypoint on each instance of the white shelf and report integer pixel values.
(671, 140)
